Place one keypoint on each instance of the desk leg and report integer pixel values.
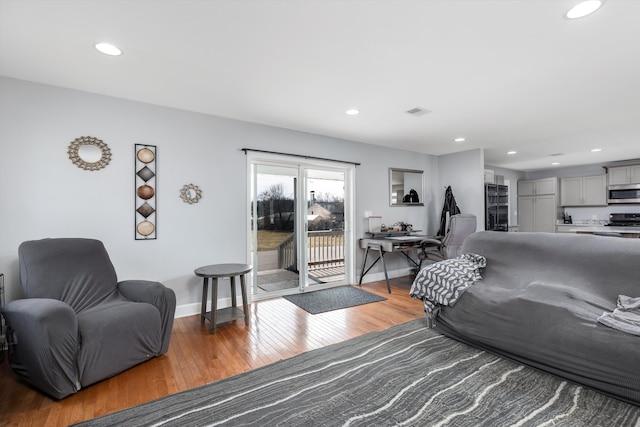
(203, 309)
(384, 266)
(364, 264)
(243, 288)
(214, 305)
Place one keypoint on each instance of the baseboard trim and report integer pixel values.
(190, 309)
(184, 310)
(374, 277)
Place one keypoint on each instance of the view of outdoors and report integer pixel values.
(274, 219)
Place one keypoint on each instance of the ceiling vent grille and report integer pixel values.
(418, 111)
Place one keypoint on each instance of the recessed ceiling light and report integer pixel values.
(555, 164)
(583, 9)
(108, 49)
(595, 150)
(459, 140)
(352, 112)
(511, 153)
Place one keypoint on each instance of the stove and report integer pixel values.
(624, 220)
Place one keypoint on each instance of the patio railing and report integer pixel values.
(325, 249)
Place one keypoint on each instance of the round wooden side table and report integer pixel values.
(213, 273)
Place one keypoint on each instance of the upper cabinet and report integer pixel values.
(538, 205)
(584, 191)
(624, 175)
(538, 187)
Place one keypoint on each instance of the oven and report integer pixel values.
(624, 220)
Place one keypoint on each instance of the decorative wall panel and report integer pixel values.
(146, 192)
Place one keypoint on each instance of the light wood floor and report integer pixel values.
(278, 329)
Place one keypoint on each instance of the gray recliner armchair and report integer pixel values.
(78, 325)
(460, 226)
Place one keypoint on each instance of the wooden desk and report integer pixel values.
(389, 242)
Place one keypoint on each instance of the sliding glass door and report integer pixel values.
(300, 225)
(325, 226)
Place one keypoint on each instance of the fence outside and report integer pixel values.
(325, 249)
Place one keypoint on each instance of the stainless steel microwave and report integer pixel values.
(625, 193)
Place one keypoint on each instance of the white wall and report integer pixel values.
(464, 172)
(42, 194)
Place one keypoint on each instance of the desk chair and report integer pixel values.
(460, 226)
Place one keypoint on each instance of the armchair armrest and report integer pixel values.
(158, 295)
(430, 242)
(43, 344)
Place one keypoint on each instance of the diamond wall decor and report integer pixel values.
(146, 192)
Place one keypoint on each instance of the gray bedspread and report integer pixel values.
(539, 303)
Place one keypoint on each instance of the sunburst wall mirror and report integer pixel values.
(89, 153)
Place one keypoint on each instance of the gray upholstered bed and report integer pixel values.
(539, 301)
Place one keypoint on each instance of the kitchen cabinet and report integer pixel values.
(566, 228)
(584, 191)
(489, 176)
(538, 205)
(624, 175)
(538, 213)
(537, 187)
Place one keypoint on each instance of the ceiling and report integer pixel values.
(506, 75)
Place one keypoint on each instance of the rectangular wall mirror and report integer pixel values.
(406, 187)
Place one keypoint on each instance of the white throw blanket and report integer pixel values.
(626, 317)
(442, 283)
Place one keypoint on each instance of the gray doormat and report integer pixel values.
(332, 299)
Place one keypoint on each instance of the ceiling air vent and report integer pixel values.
(418, 111)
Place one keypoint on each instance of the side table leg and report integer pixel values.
(232, 279)
(214, 305)
(243, 288)
(203, 309)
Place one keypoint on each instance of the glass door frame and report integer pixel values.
(301, 217)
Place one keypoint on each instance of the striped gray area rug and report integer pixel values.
(407, 375)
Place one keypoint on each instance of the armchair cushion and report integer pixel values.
(64, 269)
(115, 334)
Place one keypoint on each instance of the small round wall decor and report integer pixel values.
(191, 193)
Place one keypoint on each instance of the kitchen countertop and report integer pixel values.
(598, 229)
